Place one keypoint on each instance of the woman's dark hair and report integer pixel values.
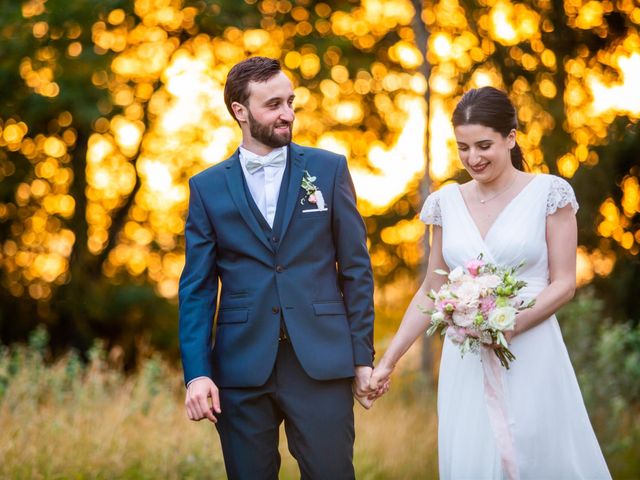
(254, 69)
(489, 107)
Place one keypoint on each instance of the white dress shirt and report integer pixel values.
(264, 184)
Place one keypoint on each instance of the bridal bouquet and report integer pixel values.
(477, 305)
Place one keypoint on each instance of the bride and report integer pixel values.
(536, 426)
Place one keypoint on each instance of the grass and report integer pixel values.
(71, 420)
(76, 420)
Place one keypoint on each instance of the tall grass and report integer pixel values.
(86, 420)
(74, 420)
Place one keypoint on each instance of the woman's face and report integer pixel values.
(484, 152)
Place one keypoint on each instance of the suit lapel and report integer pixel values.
(236, 189)
(298, 163)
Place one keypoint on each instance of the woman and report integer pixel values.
(534, 425)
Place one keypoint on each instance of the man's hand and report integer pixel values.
(197, 400)
(361, 390)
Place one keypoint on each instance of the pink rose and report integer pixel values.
(473, 266)
(312, 198)
(487, 304)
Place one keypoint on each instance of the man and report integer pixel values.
(276, 226)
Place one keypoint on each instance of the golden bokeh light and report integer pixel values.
(396, 167)
(620, 97)
(511, 23)
(165, 119)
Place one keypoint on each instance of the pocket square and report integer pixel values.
(311, 210)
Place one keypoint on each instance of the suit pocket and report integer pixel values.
(313, 213)
(238, 294)
(329, 308)
(233, 315)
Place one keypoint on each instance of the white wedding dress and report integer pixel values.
(551, 432)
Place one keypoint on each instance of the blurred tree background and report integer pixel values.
(108, 107)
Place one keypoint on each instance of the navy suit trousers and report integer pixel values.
(318, 420)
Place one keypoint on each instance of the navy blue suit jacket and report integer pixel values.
(317, 276)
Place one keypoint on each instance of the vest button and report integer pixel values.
(275, 239)
(275, 309)
(279, 268)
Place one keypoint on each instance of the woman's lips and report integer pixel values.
(479, 168)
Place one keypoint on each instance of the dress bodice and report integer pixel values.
(517, 234)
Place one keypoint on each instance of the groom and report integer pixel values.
(273, 231)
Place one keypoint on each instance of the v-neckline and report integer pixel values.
(500, 214)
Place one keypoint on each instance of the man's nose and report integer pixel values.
(287, 113)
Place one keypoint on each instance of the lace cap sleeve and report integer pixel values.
(560, 195)
(430, 213)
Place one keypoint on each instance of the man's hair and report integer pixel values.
(254, 69)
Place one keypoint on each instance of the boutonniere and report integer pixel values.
(313, 194)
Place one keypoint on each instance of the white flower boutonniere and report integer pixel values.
(313, 194)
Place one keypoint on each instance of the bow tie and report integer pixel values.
(277, 158)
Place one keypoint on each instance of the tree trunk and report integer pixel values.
(422, 38)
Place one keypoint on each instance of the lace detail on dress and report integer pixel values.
(560, 195)
(430, 213)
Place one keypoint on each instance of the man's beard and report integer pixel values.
(266, 134)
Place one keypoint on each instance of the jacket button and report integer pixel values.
(275, 309)
(279, 268)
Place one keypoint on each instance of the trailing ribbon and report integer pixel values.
(495, 397)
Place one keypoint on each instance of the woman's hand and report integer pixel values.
(380, 380)
(508, 335)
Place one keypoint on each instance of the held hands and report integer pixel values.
(360, 386)
(199, 393)
(366, 390)
(380, 380)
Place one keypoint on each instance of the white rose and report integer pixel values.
(502, 318)
(456, 274)
(487, 282)
(437, 317)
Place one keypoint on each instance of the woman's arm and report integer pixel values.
(562, 241)
(414, 322)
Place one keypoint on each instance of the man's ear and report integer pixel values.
(240, 111)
